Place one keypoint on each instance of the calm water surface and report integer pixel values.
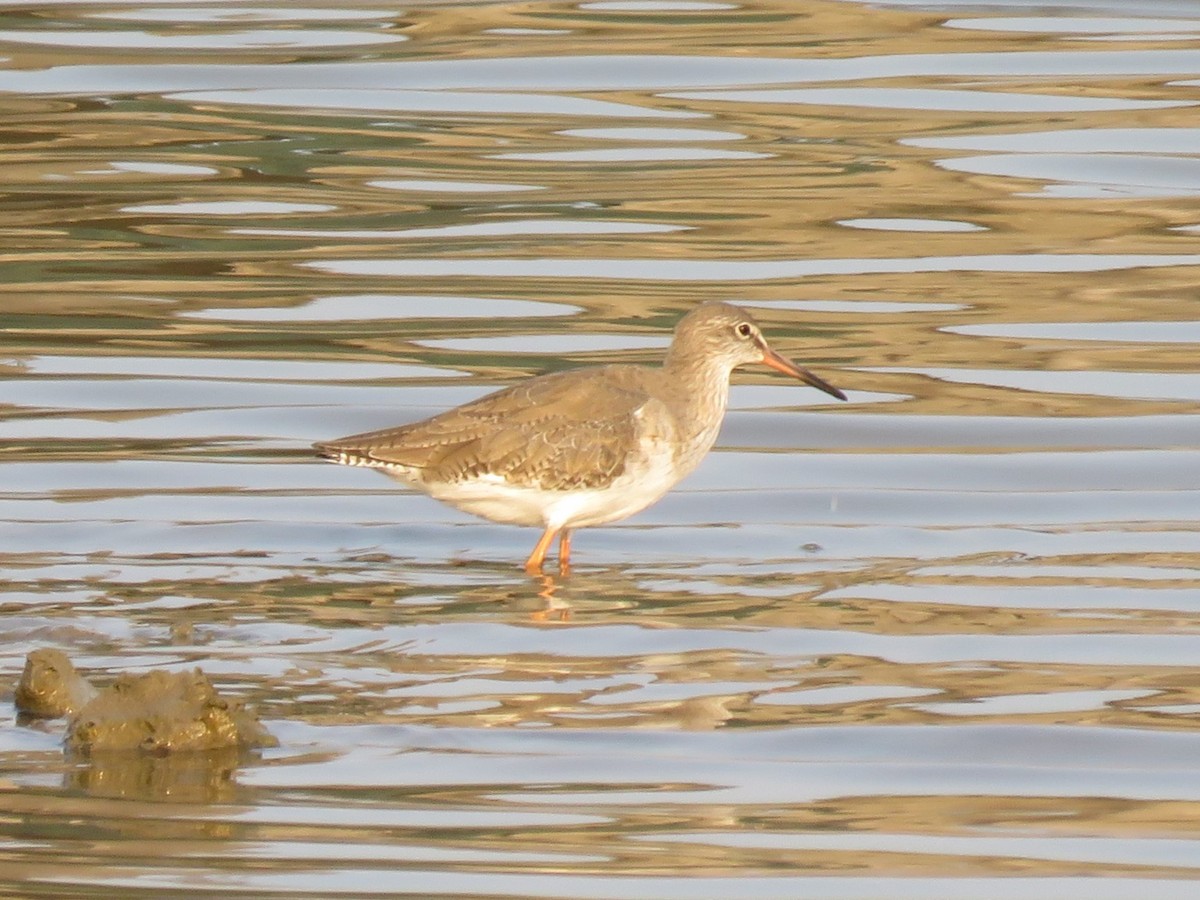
(942, 641)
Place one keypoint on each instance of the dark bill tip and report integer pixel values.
(787, 367)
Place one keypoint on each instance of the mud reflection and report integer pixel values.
(200, 776)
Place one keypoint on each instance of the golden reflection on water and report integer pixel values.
(947, 632)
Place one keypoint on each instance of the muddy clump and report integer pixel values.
(50, 687)
(158, 712)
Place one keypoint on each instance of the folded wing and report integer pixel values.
(573, 429)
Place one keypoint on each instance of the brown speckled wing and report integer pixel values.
(565, 430)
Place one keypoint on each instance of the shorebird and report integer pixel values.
(581, 447)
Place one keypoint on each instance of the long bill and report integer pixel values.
(787, 367)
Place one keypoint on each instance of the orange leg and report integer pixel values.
(533, 565)
(564, 551)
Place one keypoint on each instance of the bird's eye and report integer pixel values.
(744, 330)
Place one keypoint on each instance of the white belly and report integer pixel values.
(492, 497)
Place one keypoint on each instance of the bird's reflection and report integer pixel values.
(556, 608)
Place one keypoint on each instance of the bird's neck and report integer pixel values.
(700, 392)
